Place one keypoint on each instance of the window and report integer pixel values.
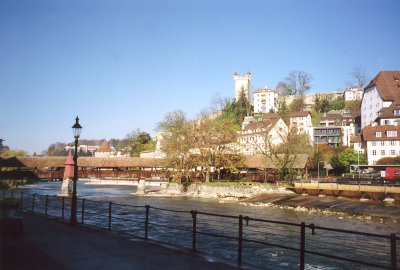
(392, 152)
(392, 133)
(392, 143)
(396, 172)
(382, 143)
(387, 122)
(374, 152)
(396, 112)
(383, 152)
(378, 134)
(373, 143)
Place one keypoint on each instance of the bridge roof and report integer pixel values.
(58, 162)
(301, 161)
(257, 161)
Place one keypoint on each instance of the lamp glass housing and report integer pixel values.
(76, 128)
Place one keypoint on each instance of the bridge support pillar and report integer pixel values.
(66, 187)
(141, 189)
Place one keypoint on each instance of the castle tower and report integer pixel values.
(242, 82)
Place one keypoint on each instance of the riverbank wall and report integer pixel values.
(377, 193)
(218, 191)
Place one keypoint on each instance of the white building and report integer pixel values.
(354, 93)
(381, 141)
(265, 100)
(254, 134)
(242, 83)
(379, 94)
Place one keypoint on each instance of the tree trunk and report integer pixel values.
(208, 175)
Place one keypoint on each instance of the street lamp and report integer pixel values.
(76, 129)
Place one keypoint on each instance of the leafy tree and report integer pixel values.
(283, 111)
(321, 102)
(213, 140)
(352, 105)
(237, 110)
(347, 157)
(139, 141)
(296, 83)
(336, 104)
(298, 104)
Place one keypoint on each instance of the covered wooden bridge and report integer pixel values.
(133, 167)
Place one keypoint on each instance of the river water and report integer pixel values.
(175, 227)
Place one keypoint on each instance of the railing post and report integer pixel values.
(194, 230)
(240, 240)
(393, 251)
(33, 203)
(22, 196)
(146, 222)
(47, 203)
(109, 216)
(302, 245)
(62, 207)
(12, 194)
(83, 211)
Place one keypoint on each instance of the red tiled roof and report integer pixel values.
(369, 133)
(388, 112)
(388, 84)
(355, 139)
(267, 124)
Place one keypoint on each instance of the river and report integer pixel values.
(365, 248)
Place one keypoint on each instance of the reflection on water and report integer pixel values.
(175, 227)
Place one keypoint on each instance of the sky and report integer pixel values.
(122, 65)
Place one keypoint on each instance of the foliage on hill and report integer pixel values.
(237, 110)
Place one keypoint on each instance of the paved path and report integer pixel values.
(50, 244)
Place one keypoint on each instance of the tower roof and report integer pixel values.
(104, 147)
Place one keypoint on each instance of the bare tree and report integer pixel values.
(359, 75)
(296, 83)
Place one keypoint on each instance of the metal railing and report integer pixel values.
(240, 231)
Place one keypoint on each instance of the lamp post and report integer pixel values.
(76, 129)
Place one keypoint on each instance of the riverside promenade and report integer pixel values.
(50, 244)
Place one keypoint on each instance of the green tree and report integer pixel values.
(298, 104)
(347, 157)
(336, 105)
(321, 102)
(352, 105)
(139, 141)
(237, 110)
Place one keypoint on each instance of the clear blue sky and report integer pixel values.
(121, 65)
